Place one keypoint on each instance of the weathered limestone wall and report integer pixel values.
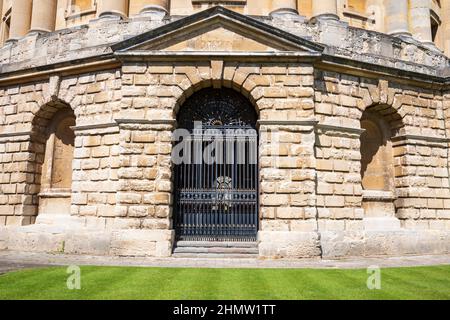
(287, 162)
(133, 158)
(26, 110)
(95, 98)
(446, 111)
(104, 158)
(19, 174)
(156, 91)
(311, 194)
(420, 165)
(420, 145)
(75, 43)
(364, 45)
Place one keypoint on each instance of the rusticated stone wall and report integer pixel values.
(310, 158)
(419, 148)
(154, 93)
(19, 155)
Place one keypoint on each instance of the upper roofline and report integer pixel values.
(107, 59)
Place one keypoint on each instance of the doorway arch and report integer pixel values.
(216, 168)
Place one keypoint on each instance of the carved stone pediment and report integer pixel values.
(217, 30)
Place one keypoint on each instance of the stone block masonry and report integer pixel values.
(353, 157)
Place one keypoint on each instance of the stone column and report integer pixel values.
(20, 19)
(112, 9)
(1, 29)
(284, 6)
(420, 20)
(396, 19)
(325, 9)
(43, 18)
(446, 26)
(158, 7)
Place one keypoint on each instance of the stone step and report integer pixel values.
(217, 250)
(209, 244)
(214, 256)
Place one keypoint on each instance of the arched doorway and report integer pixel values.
(216, 168)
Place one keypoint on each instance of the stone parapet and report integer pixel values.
(94, 40)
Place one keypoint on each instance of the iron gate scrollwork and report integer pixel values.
(216, 184)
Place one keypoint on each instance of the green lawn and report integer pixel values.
(228, 284)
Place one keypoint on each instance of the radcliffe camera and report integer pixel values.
(225, 158)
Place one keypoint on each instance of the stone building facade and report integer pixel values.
(352, 113)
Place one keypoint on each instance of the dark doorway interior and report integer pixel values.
(216, 171)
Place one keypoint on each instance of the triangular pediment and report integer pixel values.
(217, 30)
(219, 38)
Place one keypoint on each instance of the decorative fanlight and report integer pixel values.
(218, 108)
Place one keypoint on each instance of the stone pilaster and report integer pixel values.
(112, 9)
(288, 189)
(325, 9)
(145, 186)
(396, 18)
(20, 19)
(43, 16)
(420, 20)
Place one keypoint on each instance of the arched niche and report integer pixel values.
(380, 125)
(377, 171)
(56, 177)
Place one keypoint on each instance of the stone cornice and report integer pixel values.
(306, 123)
(409, 137)
(142, 124)
(102, 62)
(95, 126)
(287, 56)
(366, 69)
(327, 127)
(325, 62)
(143, 121)
(16, 134)
(378, 195)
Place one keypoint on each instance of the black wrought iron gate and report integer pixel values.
(216, 182)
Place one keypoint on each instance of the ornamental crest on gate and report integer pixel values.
(224, 186)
